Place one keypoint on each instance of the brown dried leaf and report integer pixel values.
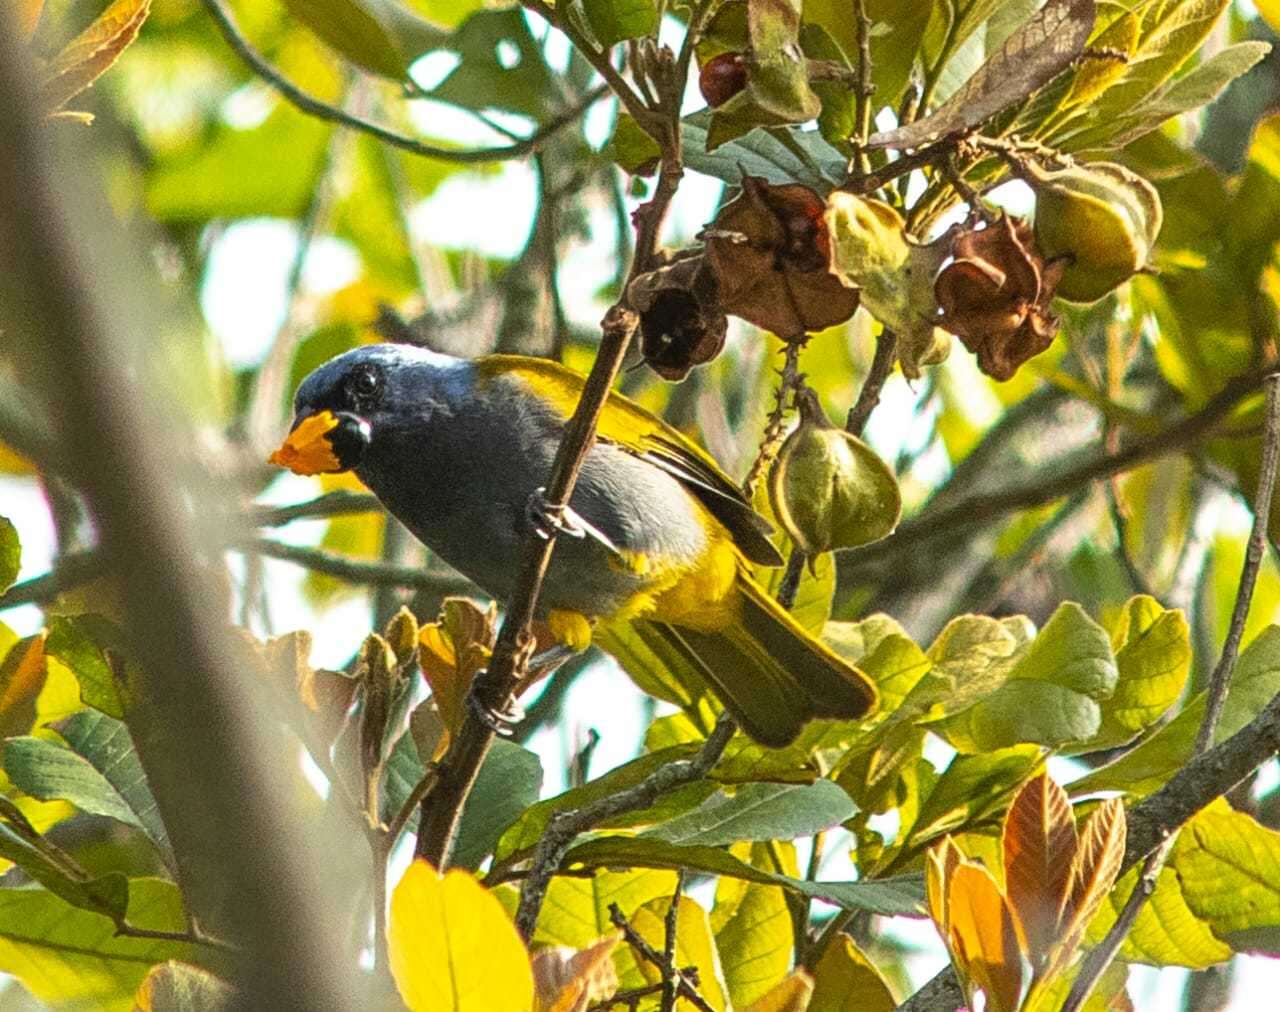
(1030, 58)
(565, 980)
(84, 59)
(770, 250)
(995, 294)
(1039, 847)
(326, 695)
(981, 936)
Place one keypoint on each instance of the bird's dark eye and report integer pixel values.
(364, 386)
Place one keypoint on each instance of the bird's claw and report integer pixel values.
(549, 519)
(500, 722)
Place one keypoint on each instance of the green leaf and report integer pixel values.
(1192, 90)
(10, 554)
(72, 958)
(755, 943)
(1049, 696)
(86, 644)
(881, 648)
(1166, 932)
(779, 156)
(902, 895)
(175, 986)
(508, 783)
(107, 895)
(379, 35)
(614, 21)
(972, 788)
(502, 67)
(51, 772)
(524, 834)
(758, 812)
(1148, 765)
(1229, 868)
(576, 910)
(631, 147)
(105, 744)
(1153, 656)
(846, 981)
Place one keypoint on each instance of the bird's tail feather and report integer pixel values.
(771, 674)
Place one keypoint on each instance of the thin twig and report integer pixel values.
(879, 373)
(783, 400)
(1099, 958)
(373, 574)
(331, 504)
(864, 88)
(686, 986)
(565, 827)
(70, 571)
(313, 106)
(670, 927)
(790, 585)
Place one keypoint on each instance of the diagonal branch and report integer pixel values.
(313, 106)
(1097, 961)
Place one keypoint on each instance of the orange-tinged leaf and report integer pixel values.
(791, 994)
(90, 53)
(941, 862)
(21, 679)
(981, 937)
(175, 986)
(1039, 846)
(453, 948)
(568, 980)
(29, 16)
(845, 981)
(451, 651)
(1093, 873)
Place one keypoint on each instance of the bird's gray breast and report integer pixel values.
(461, 480)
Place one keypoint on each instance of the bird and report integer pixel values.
(458, 450)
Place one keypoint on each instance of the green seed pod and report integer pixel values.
(1103, 216)
(828, 488)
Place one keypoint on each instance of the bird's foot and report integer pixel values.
(548, 519)
(501, 722)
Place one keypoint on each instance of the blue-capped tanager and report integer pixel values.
(458, 449)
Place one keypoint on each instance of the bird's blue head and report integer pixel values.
(343, 406)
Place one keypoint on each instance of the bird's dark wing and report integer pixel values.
(633, 428)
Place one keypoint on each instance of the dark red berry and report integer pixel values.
(722, 77)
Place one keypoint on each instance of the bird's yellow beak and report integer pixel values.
(307, 449)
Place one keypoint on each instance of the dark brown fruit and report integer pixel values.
(722, 77)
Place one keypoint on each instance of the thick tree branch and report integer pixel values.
(1099, 958)
(209, 744)
(313, 106)
(1061, 481)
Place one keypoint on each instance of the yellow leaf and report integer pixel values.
(1039, 846)
(981, 937)
(175, 986)
(451, 651)
(1269, 11)
(791, 994)
(845, 981)
(90, 53)
(939, 866)
(566, 980)
(452, 947)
